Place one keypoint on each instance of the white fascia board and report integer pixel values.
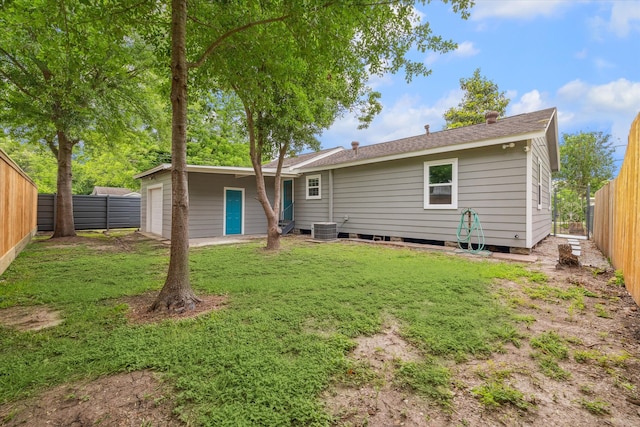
(316, 158)
(283, 173)
(159, 168)
(237, 171)
(431, 151)
(556, 141)
(225, 170)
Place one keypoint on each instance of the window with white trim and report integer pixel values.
(314, 187)
(441, 184)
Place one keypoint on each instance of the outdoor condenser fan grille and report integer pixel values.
(325, 231)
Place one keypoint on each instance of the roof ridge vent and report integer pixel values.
(491, 117)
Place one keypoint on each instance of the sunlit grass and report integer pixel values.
(258, 361)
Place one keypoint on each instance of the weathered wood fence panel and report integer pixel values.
(92, 212)
(18, 210)
(616, 227)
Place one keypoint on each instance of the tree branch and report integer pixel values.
(51, 145)
(228, 34)
(16, 84)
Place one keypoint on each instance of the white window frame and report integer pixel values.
(319, 187)
(454, 183)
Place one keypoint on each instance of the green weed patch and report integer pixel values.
(283, 338)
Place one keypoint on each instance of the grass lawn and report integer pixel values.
(283, 338)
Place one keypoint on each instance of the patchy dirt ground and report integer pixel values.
(131, 399)
(596, 383)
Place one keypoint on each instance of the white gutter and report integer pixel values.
(226, 170)
(529, 197)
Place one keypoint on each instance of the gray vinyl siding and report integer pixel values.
(163, 178)
(541, 218)
(386, 199)
(309, 211)
(206, 204)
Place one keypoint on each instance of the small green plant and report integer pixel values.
(550, 348)
(550, 368)
(623, 383)
(357, 373)
(552, 344)
(427, 379)
(601, 311)
(527, 319)
(496, 393)
(617, 279)
(575, 295)
(601, 359)
(596, 406)
(586, 389)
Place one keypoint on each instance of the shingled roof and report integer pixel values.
(298, 160)
(508, 129)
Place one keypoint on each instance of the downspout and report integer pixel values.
(529, 195)
(330, 195)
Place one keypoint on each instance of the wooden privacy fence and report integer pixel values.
(92, 212)
(18, 210)
(617, 216)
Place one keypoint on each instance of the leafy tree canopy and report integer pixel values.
(297, 66)
(71, 70)
(585, 158)
(480, 95)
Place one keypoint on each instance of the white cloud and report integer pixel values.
(431, 58)
(582, 54)
(619, 96)
(465, 49)
(610, 107)
(603, 64)
(530, 101)
(522, 9)
(406, 117)
(376, 82)
(573, 90)
(625, 18)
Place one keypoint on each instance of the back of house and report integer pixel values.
(411, 189)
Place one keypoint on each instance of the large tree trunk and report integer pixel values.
(176, 293)
(64, 226)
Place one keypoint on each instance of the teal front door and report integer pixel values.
(287, 200)
(233, 212)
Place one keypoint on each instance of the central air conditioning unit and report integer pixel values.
(324, 231)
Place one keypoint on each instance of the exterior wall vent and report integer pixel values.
(324, 231)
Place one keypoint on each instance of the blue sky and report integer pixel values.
(582, 57)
